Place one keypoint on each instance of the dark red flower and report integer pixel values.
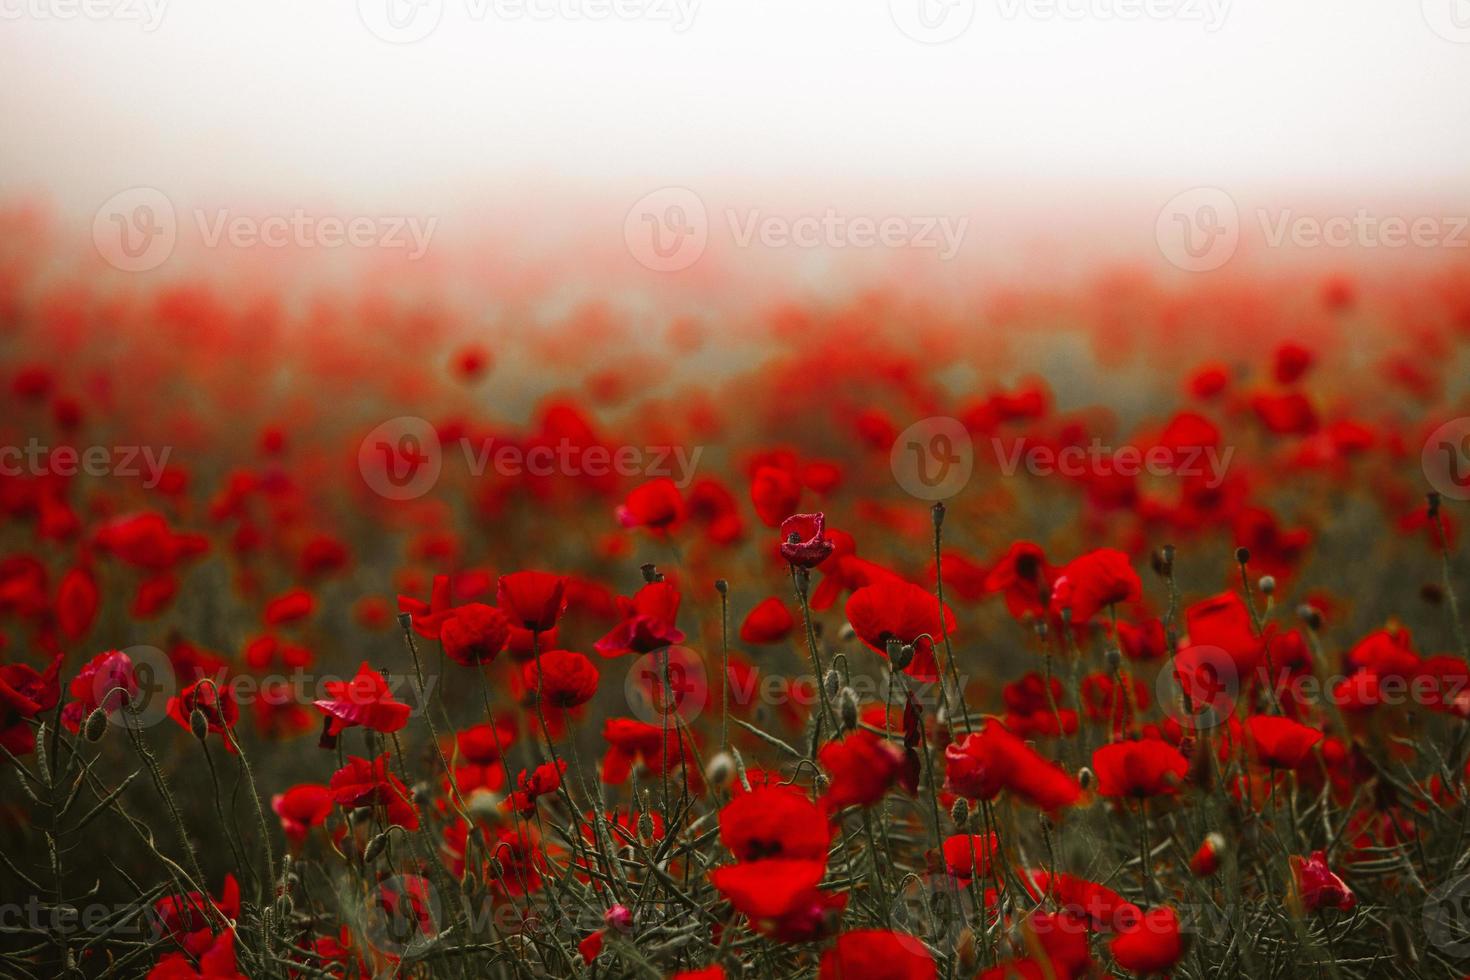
(780, 897)
(1093, 582)
(76, 603)
(655, 505)
(981, 764)
(968, 856)
(1280, 743)
(877, 954)
(566, 679)
(97, 685)
(804, 539)
(215, 703)
(776, 493)
(1024, 577)
(364, 783)
(473, 633)
(861, 767)
(532, 600)
(769, 622)
(290, 606)
(902, 611)
(1318, 886)
(301, 808)
(647, 623)
(364, 700)
(1139, 768)
(775, 822)
(1153, 945)
(24, 694)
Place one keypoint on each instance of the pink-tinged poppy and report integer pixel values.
(566, 679)
(107, 681)
(982, 764)
(364, 700)
(656, 505)
(901, 611)
(1318, 886)
(877, 954)
(364, 783)
(861, 767)
(769, 622)
(214, 702)
(1151, 946)
(1139, 768)
(1093, 582)
(301, 808)
(474, 633)
(804, 540)
(1280, 743)
(533, 601)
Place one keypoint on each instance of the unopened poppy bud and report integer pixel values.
(1206, 860)
(960, 812)
(1084, 778)
(96, 725)
(619, 918)
(900, 654)
(405, 620)
(719, 769)
(1310, 615)
(849, 709)
(833, 682)
(1113, 657)
(1267, 584)
(645, 825)
(198, 724)
(375, 847)
(937, 513)
(650, 572)
(721, 586)
(1243, 556)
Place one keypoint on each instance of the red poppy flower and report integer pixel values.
(1093, 582)
(544, 780)
(1291, 361)
(428, 617)
(631, 741)
(776, 493)
(1139, 768)
(804, 540)
(1318, 886)
(981, 764)
(1094, 904)
(215, 703)
(655, 505)
(862, 766)
(301, 808)
(96, 685)
(1280, 743)
(215, 962)
(532, 600)
(768, 622)
(567, 679)
(76, 603)
(1144, 641)
(902, 611)
(780, 897)
(289, 607)
(184, 914)
(1024, 577)
(473, 633)
(1206, 860)
(364, 700)
(364, 783)
(774, 822)
(877, 954)
(1153, 945)
(968, 856)
(647, 623)
(1224, 621)
(24, 694)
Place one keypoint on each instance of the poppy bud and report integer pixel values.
(1267, 584)
(645, 826)
(832, 683)
(405, 620)
(960, 812)
(650, 573)
(1243, 556)
(619, 918)
(937, 513)
(1113, 658)
(719, 769)
(375, 847)
(1310, 615)
(849, 709)
(721, 586)
(1084, 777)
(96, 725)
(198, 724)
(900, 654)
(1206, 860)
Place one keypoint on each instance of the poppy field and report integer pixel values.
(1046, 634)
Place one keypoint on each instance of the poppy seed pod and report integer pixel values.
(722, 587)
(937, 513)
(1267, 584)
(96, 725)
(1309, 615)
(1432, 499)
(960, 812)
(405, 620)
(1113, 657)
(1242, 556)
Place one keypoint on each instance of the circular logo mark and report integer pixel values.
(932, 21)
(402, 914)
(1447, 917)
(135, 230)
(933, 458)
(401, 459)
(667, 230)
(685, 691)
(1199, 687)
(400, 21)
(1450, 19)
(147, 676)
(1446, 459)
(1198, 230)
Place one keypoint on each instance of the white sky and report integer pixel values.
(1036, 103)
